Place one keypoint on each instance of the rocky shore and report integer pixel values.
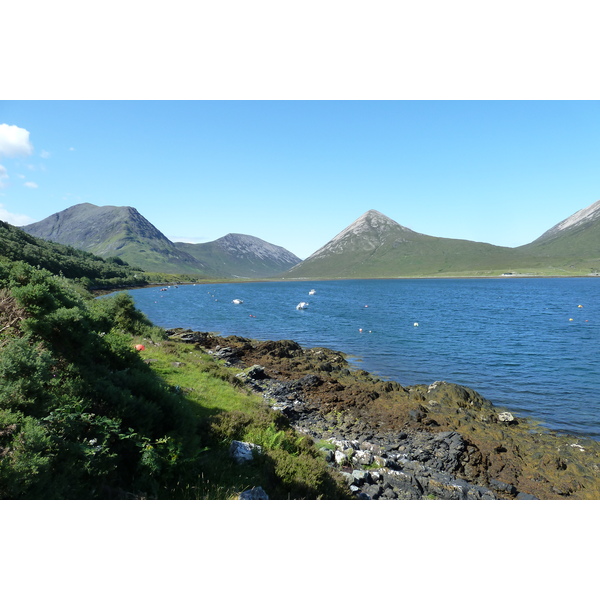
(436, 441)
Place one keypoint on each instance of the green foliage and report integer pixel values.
(25, 457)
(83, 416)
(89, 270)
(290, 465)
(25, 370)
(70, 377)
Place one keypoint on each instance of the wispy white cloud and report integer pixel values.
(188, 240)
(14, 141)
(30, 184)
(45, 154)
(14, 219)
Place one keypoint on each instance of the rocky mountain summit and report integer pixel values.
(368, 233)
(240, 255)
(582, 219)
(572, 243)
(376, 246)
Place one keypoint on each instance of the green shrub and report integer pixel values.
(25, 370)
(25, 457)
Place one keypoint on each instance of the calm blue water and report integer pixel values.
(522, 343)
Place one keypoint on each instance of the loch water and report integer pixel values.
(528, 345)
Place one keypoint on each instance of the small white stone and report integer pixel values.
(505, 417)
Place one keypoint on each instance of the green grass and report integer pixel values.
(210, 386)
(290, 466)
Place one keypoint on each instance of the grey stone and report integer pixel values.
(362, 457)
(256, 493)
(374, 491)
(506, 417)
(359, 476)
(329, 455)
(243, 452)
(257, 372)
(340, 457)
(500, 486)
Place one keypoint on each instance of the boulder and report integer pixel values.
(329, 456)
(256, 493)
(256, 372)
(359, 477)
(506, 417)
(280, 348)
(243, 452)
(340, 457)
(362, 457)
(451, 394)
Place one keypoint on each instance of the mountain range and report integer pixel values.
(376, 246)
(372, 246)
(123, 232)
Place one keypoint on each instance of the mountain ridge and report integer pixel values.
(376, 246)
(121, 231)
(580, 219)
(373, 245)
(241, 255)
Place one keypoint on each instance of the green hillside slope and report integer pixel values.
(86, 268)
(571, 244)
(376, 246)
(117, 231)
(238, 255)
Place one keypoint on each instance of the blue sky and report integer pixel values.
(295, 173)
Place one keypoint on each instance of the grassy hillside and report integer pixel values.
(575, 248)
(376, 246)
(117, 231)
(429, 257)
(84, 267)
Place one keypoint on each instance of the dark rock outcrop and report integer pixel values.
(441, 440)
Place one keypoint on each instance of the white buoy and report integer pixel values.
(415, 324)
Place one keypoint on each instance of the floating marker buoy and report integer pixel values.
(570, 319)
(360, 330)
(579, 306)
(415, 324)
(140, 347)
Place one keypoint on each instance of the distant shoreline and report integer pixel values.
(99, 292)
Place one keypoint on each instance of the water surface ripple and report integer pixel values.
(530, 345)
